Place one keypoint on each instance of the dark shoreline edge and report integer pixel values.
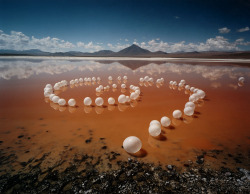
(131, 176)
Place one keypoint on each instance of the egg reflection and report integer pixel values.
(176, 122)
(123, 90)
(62, 108)
(133, 103)
(200, 103)
(240, 84)
(122, 107)
(46, 100)
(54, 106)
(187, 119)
(111, 107)
(99, 109)
(154, 143)
(72, 109)
(87, 109)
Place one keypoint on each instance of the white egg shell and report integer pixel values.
(55, 99)
(122, 99)
(111, 101)
(72, 102)
(61, 102)
(154, 130)
(132, 144)
(87, 101)
(189, 111)
(190, 104)
(177, 114)
(99, 101)
(165, 121)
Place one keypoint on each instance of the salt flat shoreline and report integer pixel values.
(131, 59)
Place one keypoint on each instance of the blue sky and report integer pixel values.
(170, 26)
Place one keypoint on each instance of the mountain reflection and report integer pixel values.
(25, 68)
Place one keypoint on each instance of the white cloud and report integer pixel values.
(89, 46)
(219, 43)
(244, 29)
(19, 41)
(126, 40)
(224, 30)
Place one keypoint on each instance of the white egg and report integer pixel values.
(134, 96)
(56, 86)
(80, 80)
(127, 99)
(201, 94)
(51, 96)
(55, 99)
(131, 87)
(76, 81)
(137, 92)
(87, 101)
(165, 121)
(177, 114)
(132, 144)
(146, 78)
(190, 104)
(93, 79)
(101, 87)
(98, 79)
(141, 79)
(98, 89)
(72, 102)
(192, 89)
(61, 102)
(155, 122)
(175, 83)
(89, 79)
(241, 79)
(187, 87)
(110, 78)
(119, 78)
(154, 130)
(122, 99)
(180, 84)
(48, 86)
(99, 101)
(151, 79)
(111, 101)
(114, 86)
(183, 81)
(123, 86)
(189, 111)
(47, 94)
(48, 90)
(171, 82)
(72, 82)
(125, 77)
(192, 98)
(195, 90)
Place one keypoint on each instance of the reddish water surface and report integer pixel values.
(31, 125)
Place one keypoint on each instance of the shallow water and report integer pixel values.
(32, 126)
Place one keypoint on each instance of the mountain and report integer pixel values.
(35, 52)
(132, 51)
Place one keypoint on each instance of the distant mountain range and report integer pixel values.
(131, 51)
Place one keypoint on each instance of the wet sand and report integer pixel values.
(31, 126)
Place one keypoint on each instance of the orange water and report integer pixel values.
(221, 120)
